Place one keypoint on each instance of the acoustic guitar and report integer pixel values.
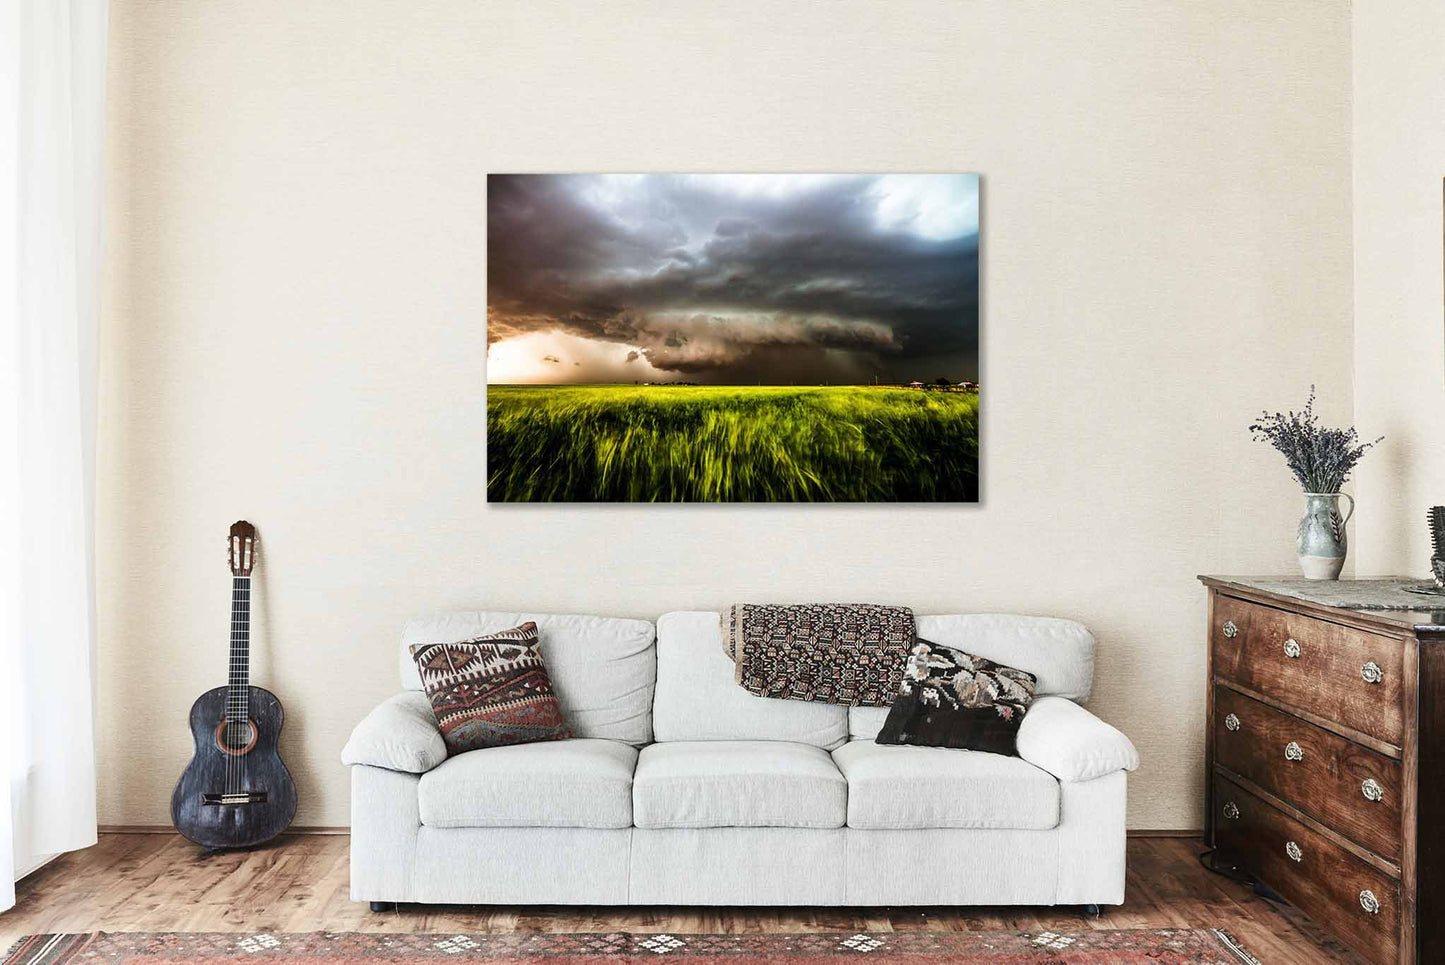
(235, 793)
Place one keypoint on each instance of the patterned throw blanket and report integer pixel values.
(832, 653)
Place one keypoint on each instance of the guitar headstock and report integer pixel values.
(241, 548)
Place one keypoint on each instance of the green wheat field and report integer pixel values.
(626, 443)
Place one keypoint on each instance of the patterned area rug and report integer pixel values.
(1171, 946)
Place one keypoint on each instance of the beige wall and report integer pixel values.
(296, 294)
(1399, 163)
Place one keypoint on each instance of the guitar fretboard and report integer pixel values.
(238, 681)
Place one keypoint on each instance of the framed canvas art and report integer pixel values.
(732, 338)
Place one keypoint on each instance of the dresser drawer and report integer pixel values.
(1347, 676)
(1322, 879)
(1349, 788)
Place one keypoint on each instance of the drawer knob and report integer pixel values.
(1291, 648)
(1371, 673)
(1230, 630)
(1231, 810)
(1293, 752)
(1293, 850)
(1372, 790)
(1231, 722)
(1369, 902)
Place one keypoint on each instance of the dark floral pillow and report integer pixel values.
(950, 698)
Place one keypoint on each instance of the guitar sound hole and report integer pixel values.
(235, 737)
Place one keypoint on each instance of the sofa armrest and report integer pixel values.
(400, 735)
(1072, 744)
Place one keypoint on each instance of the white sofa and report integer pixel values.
(682, 788)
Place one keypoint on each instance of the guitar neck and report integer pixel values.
(238, 679)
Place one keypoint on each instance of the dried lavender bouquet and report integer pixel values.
(1320, 458)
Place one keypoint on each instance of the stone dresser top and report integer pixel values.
(1394, 601)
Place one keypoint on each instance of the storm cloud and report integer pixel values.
(737, 278)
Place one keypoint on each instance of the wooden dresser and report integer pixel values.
(1325, 754)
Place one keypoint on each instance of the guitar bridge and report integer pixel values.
(238, 797)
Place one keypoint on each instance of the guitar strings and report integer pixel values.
(231, 687)
(238, 717)
(235, 728)
(233, 719)
(236, 692)
(230, 676)
(230, 683)
(243, 693)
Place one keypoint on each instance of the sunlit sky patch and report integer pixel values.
(771, 278)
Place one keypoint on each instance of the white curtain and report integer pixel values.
(52, 82)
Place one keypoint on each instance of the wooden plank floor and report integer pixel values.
(160, 882)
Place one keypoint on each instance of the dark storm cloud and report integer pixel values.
(734, 286)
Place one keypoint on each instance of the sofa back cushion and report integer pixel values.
(1059, 653)
(698, 698)
(602, 668)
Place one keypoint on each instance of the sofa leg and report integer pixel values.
(1092, 911)
(381, 906)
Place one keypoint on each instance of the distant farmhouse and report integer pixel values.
(943, 385)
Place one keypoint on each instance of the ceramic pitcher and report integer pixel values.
(1321, 543)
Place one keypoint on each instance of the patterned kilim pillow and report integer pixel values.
(491, 690)
(950, 698)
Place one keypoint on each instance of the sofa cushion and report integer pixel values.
(737, 784)
(892, 787)
(580, 783)
(950, 698)
(1059, 654)
(699, 699)
(602, 668)
(491, 690)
